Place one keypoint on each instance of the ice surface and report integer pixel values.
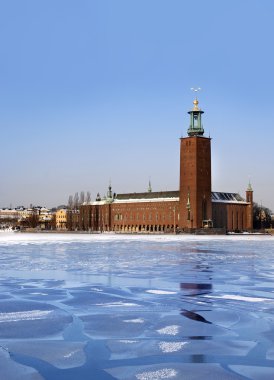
(21, 319)
(10, 370)
(136, 307)
(174, 371)
(59, 353)
(114, 326)
(254, 372)
(270, 353)
(122, 349)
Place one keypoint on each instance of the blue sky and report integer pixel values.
(98, 90)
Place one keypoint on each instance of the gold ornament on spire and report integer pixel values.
(196, 108)
(195, 102)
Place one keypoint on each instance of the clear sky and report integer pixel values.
(93, 90)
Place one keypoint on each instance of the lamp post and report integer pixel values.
(174, 220)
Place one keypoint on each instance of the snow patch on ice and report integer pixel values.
(126, 341)
(172, 346)
(239, 298)
(152, 291)
(169, 330)
(119, 304)
(165, 373)
(72, 353)
(39, 294)
(24, 315)
(97, 289)
(137, 320)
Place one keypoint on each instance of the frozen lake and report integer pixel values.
(92, 307)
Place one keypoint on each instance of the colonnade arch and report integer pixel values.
(145, 228)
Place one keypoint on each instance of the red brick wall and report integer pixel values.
(145, 216)
(234, 217)
(135, 217)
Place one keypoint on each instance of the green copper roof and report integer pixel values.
(195, 127)
(249, 187)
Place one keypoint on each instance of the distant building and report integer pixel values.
(45, 217)
(9, 215)
(193, 207)
(61, 219)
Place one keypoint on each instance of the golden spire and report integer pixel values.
(196, 108)
(195, 102)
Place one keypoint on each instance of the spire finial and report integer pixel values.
(149, 186)
(188, 201)
(249, 187)
(109, 193)
(196, 102)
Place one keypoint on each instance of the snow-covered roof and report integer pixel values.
(148, 195)
(145, 200)
(165, 196)
(220, 197)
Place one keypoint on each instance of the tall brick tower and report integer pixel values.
(195, 175)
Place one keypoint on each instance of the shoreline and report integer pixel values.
(266, 233)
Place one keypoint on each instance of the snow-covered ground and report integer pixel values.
(139, 307)
(17, 237)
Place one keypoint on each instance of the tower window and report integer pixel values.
(188, 214)
(204, 210)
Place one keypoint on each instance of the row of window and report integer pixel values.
(125, 217)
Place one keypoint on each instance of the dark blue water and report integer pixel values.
(114, 307)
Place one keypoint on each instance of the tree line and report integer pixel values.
(261, 216)
(74, 202)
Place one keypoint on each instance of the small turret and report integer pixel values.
(249, 199)
(249, 193)
(195, 127)
(109, 193)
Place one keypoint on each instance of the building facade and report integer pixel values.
(61, 219)
(193, 207)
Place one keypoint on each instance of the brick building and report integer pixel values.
(193, 207)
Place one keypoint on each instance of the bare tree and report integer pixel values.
(69, 219)
(76, 201)
(33, 219)
(70, 202)
(261, 216)
(82, 197)
(52, 223)
(88, 197)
